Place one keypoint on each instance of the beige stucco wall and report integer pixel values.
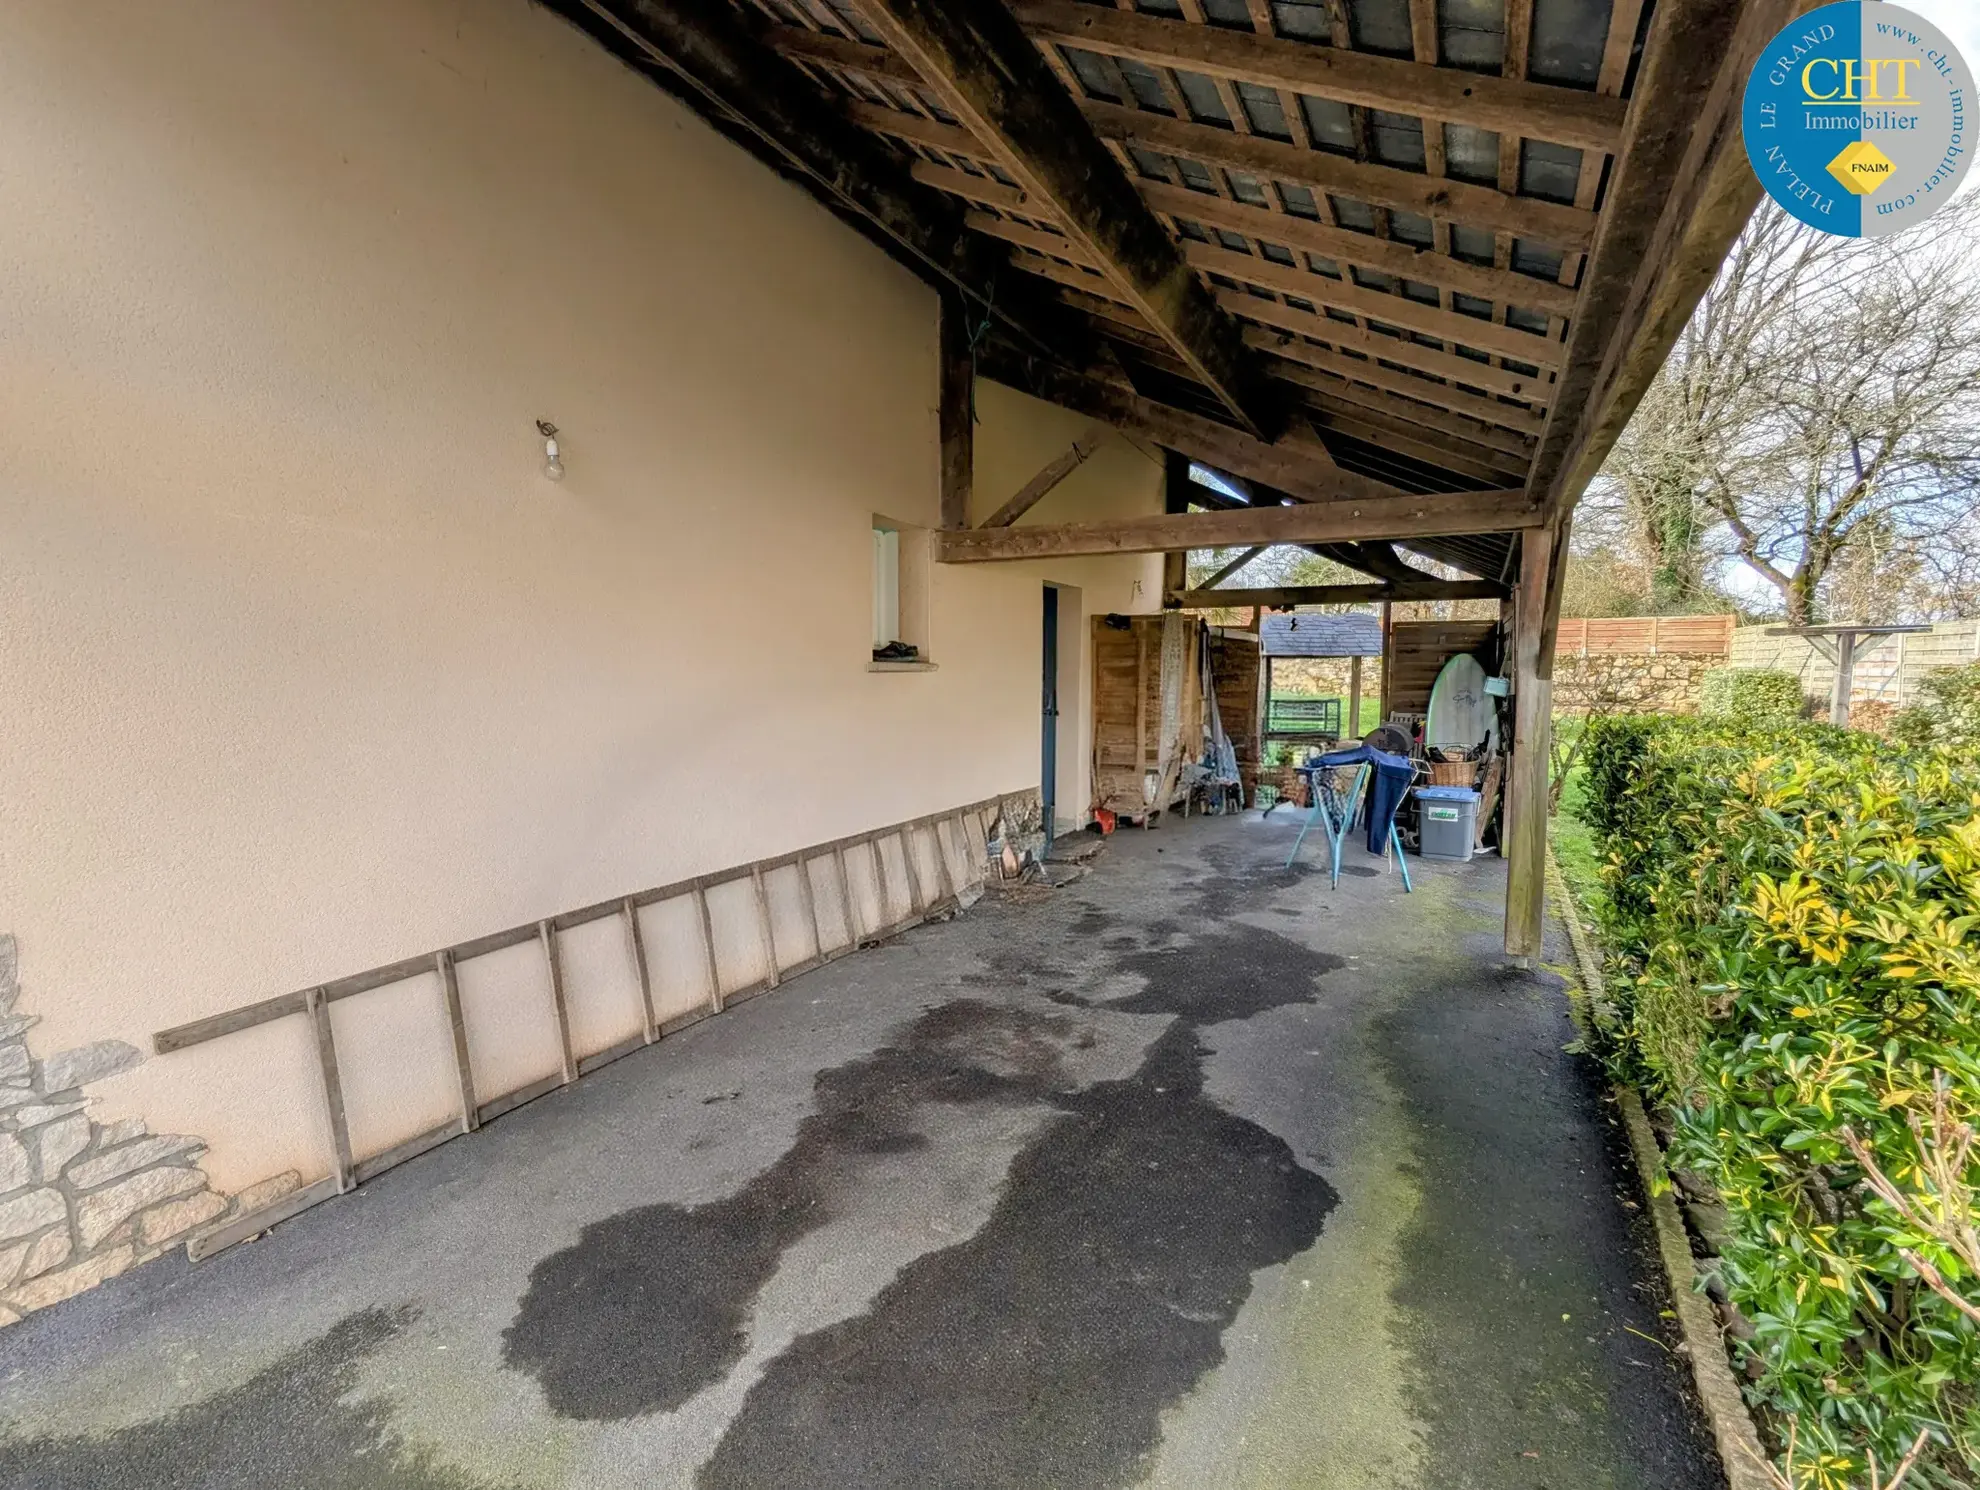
(304, 667)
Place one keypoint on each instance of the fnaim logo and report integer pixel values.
(1859, 119)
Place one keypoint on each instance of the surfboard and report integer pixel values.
(1461, 712)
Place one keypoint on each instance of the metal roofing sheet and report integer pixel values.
(1322, 634)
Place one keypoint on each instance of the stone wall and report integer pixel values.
(81, 1201)
(1631, 682)
(1323, 675)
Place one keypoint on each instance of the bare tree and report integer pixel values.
(1819, 419)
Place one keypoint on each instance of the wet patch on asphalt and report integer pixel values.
(295, 1423)
(651, 1305)
(1237, 881)
(1044, 1349)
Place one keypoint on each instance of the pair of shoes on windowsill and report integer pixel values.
(897, 652)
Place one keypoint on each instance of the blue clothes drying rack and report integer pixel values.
(1336, 809)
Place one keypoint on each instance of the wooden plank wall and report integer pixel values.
(1120, 667)
(1418, 651)
(1128, 712)
(1234, 665)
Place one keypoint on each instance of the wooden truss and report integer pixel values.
(1409, 276)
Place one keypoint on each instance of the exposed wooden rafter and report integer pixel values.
(1188, 265)
(992, 78)
(703, 49)
(1386, 186)
(1397, 349)
(1411, 385)
(1468, 432)
(1566, 115)
(1047, 480)
(1397, 310)
(1360, 249)
(1232, 567)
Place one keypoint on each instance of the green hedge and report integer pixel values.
(1947, 714)
(1793, 918)
(1751, 696)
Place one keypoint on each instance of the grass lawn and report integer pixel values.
(1371, 705)
(1574, 843)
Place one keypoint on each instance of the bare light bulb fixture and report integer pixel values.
(553, 462)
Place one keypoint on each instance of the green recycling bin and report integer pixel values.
(1448, 816)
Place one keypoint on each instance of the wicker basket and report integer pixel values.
(1453, 773)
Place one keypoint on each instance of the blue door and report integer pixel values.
(1048, 765)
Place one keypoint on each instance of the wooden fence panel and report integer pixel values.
(1887, 668)
(1699, 635)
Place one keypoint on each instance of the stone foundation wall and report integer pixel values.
(1020, 822)
(1631, 682)
(81, 1201)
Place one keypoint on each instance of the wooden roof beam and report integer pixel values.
(1285, 597)
(1409, 385)
(1403, 437)
(991, 76)
(1470, 431)
(1438, 198)
(705, 51)
(1400, 350)
(1303, 522)
(839, 51)
(1567, 116)
(1396, 310)
(1364, 250)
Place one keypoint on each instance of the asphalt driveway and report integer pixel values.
(1194, 1173)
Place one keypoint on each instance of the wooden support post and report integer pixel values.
(1845, 679)
(1526, 782)
(1175, 500)
(708, 949)
(957, 416)
(846, 907)
(775, 975)
(1354, 697)
(636, 946)
(450, 990)
(333, 1088)
(1383, 696)
(547, 935)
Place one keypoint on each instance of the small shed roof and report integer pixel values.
(1319, 634)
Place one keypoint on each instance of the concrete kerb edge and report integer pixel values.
(1733, 1429)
